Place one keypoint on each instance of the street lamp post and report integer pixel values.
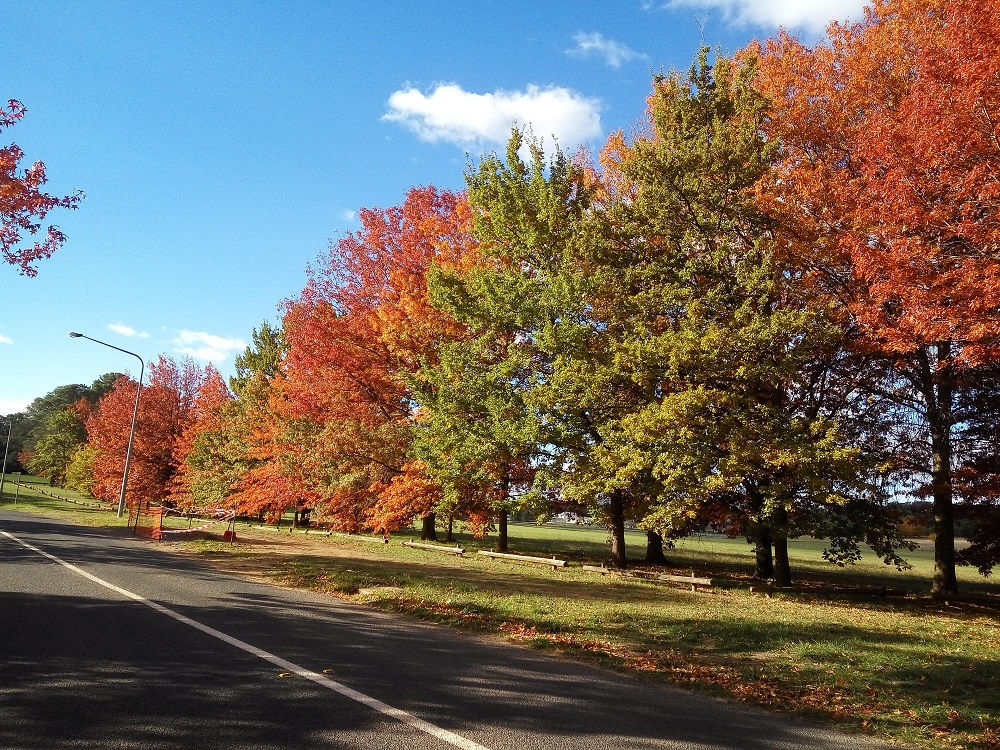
(3, 467)
(135, 413)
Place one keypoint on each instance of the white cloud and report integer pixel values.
(13, 405)
(813, 15)
(206, 346)
(614, 53)
(5, 339)
(348, 215)
(451, 114)
(129, 331)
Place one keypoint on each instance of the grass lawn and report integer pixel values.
(902, 667)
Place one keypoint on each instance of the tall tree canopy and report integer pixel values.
(29, 427)
(667, 365)
(737, 424)
(193, 484)
(479, 433)
(361, 325)
(54, 444)
(890, 179)
(234, 459)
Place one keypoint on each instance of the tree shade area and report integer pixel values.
(772, 311)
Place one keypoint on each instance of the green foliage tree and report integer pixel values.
(475, 433)
(54, 444)
(29, 426)
(80, 471)
(737, 428)
(537, 364)
(261, 359)
(232, 460)
(673, 368)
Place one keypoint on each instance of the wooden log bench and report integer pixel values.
(526, 559)
(693, 581)
(459, 551)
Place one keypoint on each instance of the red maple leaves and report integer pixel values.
(23, 205)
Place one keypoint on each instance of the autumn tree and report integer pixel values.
(165, 409)
(23, 204)
(889, 183)
(360, 326)
(234, 460)
(193, 484)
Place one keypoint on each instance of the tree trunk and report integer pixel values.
(760, 534)
(654, 549)
(936, 382)
(450, 536)
(618, 557)
(939, 417)
(782, 570)
(502, 531)
(427, 531)
(764, 564)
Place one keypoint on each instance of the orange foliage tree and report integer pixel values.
(165, 409)
(890, 187)
(23, 205)
(257, 472)
(362, 325)
(189, 486)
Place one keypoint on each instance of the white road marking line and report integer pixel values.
(407, 718)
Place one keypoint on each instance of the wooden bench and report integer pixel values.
(459, 551)
(526, 559)
(691, 580)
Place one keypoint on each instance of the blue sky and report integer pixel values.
(223, 145)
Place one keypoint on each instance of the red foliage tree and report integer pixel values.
(23, 205)
(890, 187)
(362, 324)
(204, 416)
(165, 409)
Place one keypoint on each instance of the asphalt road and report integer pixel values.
(132, 647)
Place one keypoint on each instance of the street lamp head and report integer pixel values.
(75, 335)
